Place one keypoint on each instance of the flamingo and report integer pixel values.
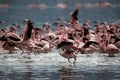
(116, 41)
(5, 35)
(2, 23)
(21, 43)
(111, 49)
(67, 50)
(88, 47)
(6, 45)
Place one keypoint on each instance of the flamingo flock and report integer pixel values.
(69, 37)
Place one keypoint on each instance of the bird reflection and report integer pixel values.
(70, 74)
(28, 73)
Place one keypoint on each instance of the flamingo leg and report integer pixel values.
(10, 52)
(75, 57)
(22, 52)
(68, 60)
(111, 55)
(74, 61)
(28, 52)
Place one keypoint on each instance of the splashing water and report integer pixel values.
(52, 66)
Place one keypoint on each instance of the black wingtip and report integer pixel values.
(74, 14)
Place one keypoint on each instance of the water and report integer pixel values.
(19, 10)
(52, 66)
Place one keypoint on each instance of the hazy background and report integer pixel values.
(41, 11)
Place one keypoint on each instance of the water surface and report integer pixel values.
(52, 66)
